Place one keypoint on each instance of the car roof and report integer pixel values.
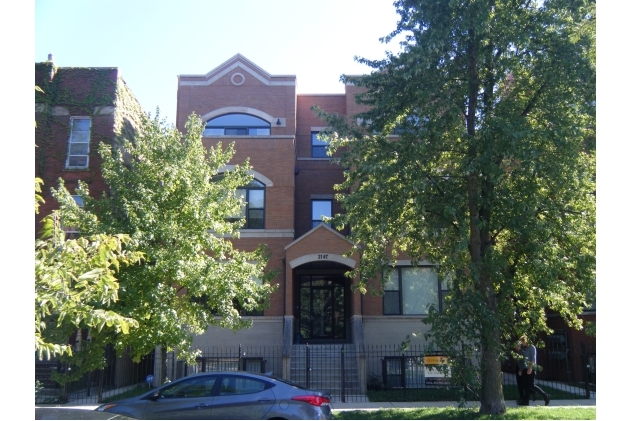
(227, 373)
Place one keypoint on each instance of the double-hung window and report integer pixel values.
(412, 290)
(79, 142)
(320, 209)
(253, 208)
(318, 147)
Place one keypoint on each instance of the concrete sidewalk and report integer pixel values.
(368, 406)
(373, 406)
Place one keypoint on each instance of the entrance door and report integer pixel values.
(321, 307)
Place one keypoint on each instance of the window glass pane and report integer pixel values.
(392, 281)
(78, 200)
(394, 372)
(255, 183)
(196, 387)
(80, 124)
(242, 120)
(319, 152)
(79, 143)
(240, 385)
(253, 208)
(240, 193)
(78, 161)
(255, 219)
(318, 147)
(320, 208)
(414, 373)
(78, 149)
(253, 365)
(419, 289)
(260, 132)
(80, 137)
(213, 132)
(317, 142)
(237, 131)
(257, 199)
(391, 302)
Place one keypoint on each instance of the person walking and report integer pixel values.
(521, 379)
(526, 367)
(518, 377)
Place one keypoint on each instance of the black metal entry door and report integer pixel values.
(322, 314)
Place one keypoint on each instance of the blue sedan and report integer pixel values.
(226, 395)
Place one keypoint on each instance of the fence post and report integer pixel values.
(308, 367)
(89, 383)
(343, 377)
(403, 367)
(586, 367)
(99, 397)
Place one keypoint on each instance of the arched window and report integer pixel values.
(254, 209)
(237, 124)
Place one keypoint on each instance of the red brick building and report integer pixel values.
(78, 108)
(275, 128)
(293, 187)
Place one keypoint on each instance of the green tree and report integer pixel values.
(75, 284)
(165, 191)
(492, 176)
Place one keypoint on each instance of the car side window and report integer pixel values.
(196, 387)
(234, 385)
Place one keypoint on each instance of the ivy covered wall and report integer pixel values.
(98, 93)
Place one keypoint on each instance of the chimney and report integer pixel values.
(52, 66)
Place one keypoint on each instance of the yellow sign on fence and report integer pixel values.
(435, 360)
(433, 375)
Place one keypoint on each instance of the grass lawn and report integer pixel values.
(138, 390)
(452, 413)
(442, 394)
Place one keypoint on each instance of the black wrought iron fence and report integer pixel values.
(349, 373)
(256, 359)
(120, 374)
(338, 369)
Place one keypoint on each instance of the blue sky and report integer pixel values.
(152, 42)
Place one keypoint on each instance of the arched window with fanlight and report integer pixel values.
(253, 210)
(237, 125)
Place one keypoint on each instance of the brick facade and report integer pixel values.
(282, 161)
(97, 93)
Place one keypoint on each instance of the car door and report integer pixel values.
(187, 399)
(242, 397)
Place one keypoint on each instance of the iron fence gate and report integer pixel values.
(349, 373)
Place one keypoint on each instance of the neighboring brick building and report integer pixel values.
(79, 108)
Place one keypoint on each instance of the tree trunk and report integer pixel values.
(491, 393)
